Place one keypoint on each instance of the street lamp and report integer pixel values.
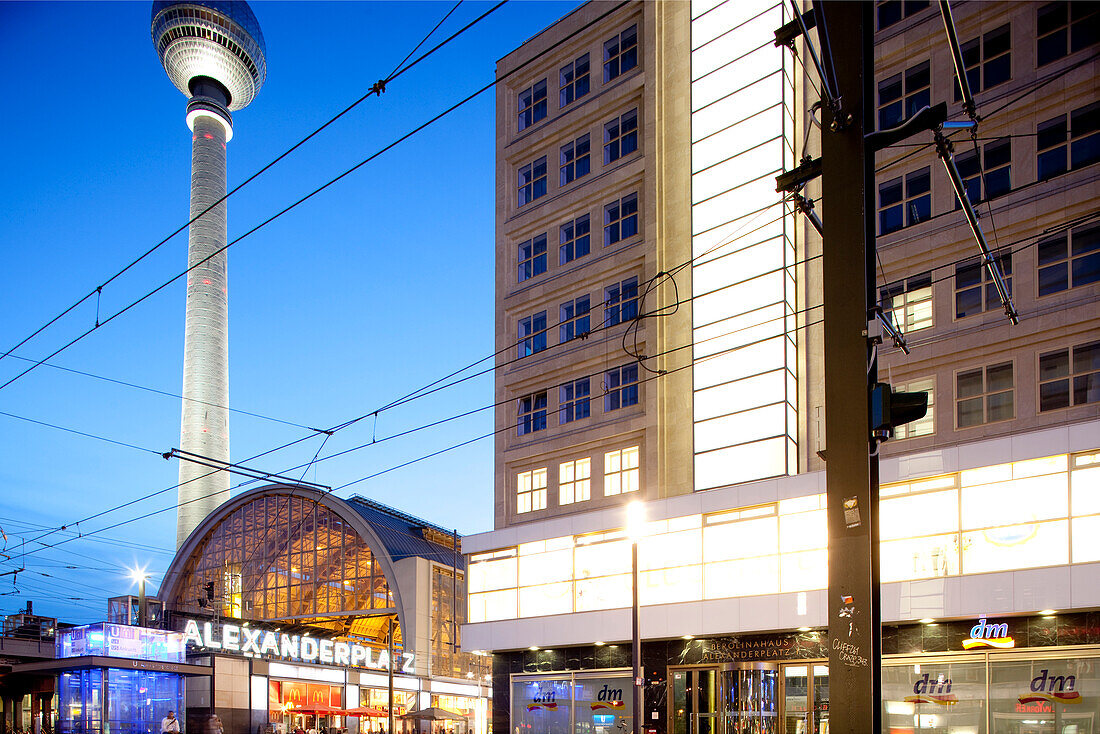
(140, 575)
(635, 526)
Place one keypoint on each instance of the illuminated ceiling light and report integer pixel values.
(1048, 612)
(469, 675)
(689, 637)
(600, 643)
(533, 647)
(927, 620)
(803, 629)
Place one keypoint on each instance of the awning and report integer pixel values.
(102, 661)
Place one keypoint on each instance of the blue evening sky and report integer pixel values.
(379, 285)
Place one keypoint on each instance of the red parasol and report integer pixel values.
(365, 711)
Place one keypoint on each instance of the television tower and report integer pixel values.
(213, 51)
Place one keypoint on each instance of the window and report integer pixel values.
(1062, 267)
(532, 413)
(574, 238)
(1063, 28)
(574, 398)
(1069, 377)
(531, 182)
(574, 320)
(998, 171)
(924, 426)
(1080, 138)
(620, 471)
(532, 334)
(620, 302)
(984, 395)
(903, 95)
(532, 258)
(988, 60)
(908, 303)
(575, 160)
(532, 105)
(573, 81)
(975, 291)
(620, 136)
(574, 481)
(900, 207)
(890, 12)
(620, 387)
(531, 490)
(620, 219)
(620, 53)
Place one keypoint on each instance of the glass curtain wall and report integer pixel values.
(131, 701)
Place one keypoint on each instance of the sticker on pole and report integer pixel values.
(851, 512)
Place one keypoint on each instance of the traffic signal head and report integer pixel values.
(891, 409)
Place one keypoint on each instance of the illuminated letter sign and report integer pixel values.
(988, 635)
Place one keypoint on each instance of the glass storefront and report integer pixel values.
(102, 700)
(581, 703)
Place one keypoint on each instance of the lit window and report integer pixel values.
(574, 319)
(985, 395)
(998, 171)
(531, 410)
(573, 81)
(574, 239)
(620, 387)
(903, 207)
(532, 105)
(988, 60)
(1063, 28)
(574, 401)
(1062, 267)
(620, 219)
(889, 12)
(1069, 377)
(574, 481)
(924, 426)
(1080, 139)
(531, 490)
(532, 334)
(532, 258)
(620, 302)
(620, 471)
(908, 303)
(620, 136)
(575, 160)
(620, 53)
(531, 182)
(975, 291)
(903, 95)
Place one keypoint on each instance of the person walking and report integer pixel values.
(170, 724)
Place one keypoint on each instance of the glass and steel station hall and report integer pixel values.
(339, 589)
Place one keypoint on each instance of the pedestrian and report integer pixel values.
(170, 723)
(214, 725)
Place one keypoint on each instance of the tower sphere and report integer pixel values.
(220, 40)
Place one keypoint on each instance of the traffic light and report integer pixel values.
(891, 409)
(210, 584)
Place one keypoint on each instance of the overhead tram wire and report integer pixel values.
(377, 89)
(85, 434)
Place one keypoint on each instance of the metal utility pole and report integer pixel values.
(389, 648)
(852, 471)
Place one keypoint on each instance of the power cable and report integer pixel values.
(85, 434)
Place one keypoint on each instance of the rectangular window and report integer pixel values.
(531, 182)
(532, 334)
(620, 471)
(575, 160)
(985, 395)
(620, 53)
(998, 171)
(903, 95)
(905, 206)
(1062, 267)
(975, 291)
(988, 60)
(574, 481)
(1084, 131)
(1050, 144)
(1062, 145)
(620, 302)
(532, 257)
(889, 12)
(620, 219)
(908, 303)
(531, 490)
(620, 387)
(574, 399)
(620, 136)
(1069, 377)
(573, 81)
(924, 426)
(1063, 28)
(574, 319)
(532, 105)
(575, 240)
(531, 411)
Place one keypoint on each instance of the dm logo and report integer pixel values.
(932, 691)
(984, 634)
(608, 698)
(1047, 687)
(543, 699)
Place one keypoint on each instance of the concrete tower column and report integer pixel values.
(204, 427)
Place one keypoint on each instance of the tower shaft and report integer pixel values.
(204, 427)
